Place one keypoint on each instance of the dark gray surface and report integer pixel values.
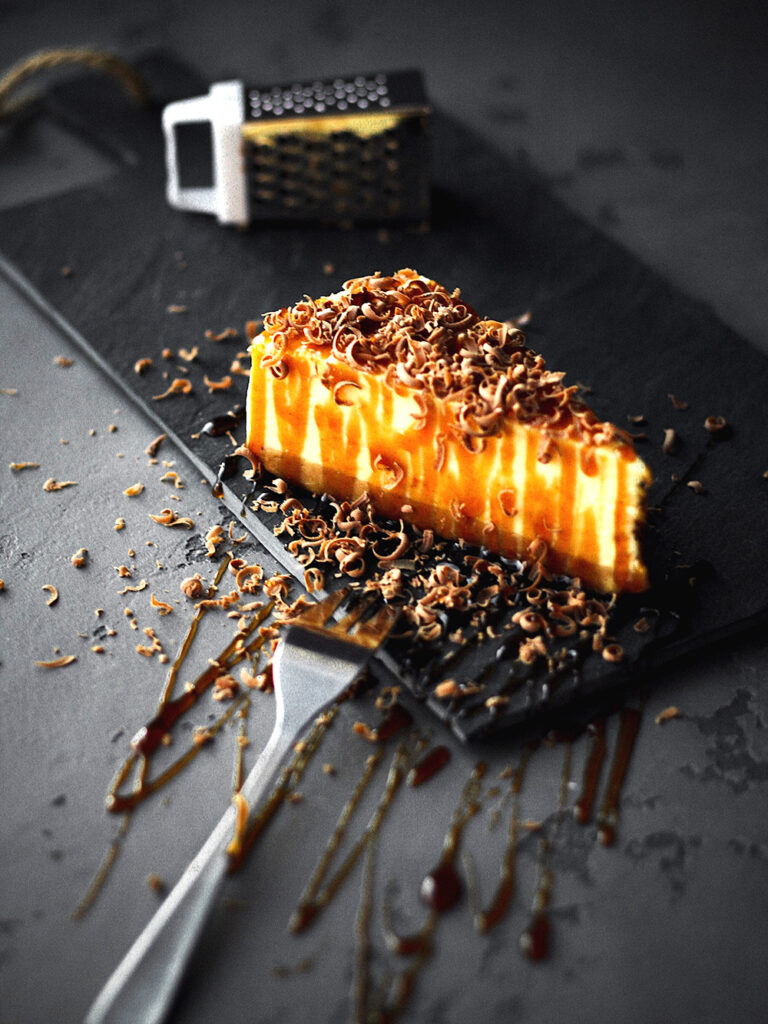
(655, 115)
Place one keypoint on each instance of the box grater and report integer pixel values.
(341, 149)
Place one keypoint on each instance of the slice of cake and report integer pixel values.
(394, 386)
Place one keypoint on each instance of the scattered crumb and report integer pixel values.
(9, 391)
(123, 571)
(79, 558)
(119, 523)
(677, 403)
(498, 701)
(65, 659)
(213, 538)
(155, 647)
(670, 440)
(51, 484)
(155, 883)
(217, 385)
(189, 354)
(192, 586)
(170, 518)
(63, 361)
(667, 714)
(175, 308)
(228, 332)
(697, 486)
(153, 446)
(133, 490)
(329, 268)
(178, 386)
(142, 365)
(135, 590)
(329, 769)
(17, 466)
(225, 687)
(613, 652)
(235, 540)
(97, 649)
(163, 608)
(642, 625)
(715, 424)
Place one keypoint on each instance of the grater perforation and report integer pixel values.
(346, 148)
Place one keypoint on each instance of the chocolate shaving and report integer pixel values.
(153, 447)
(52, 485)
(163, 608)
(65, 659)
(178, 386)
(670, 441)
(429, 341)
(170, 518)
(217, 385)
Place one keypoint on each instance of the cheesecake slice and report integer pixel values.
(395, 386)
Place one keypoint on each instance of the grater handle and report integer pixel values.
(224, 110)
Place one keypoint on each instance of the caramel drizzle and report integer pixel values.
(103, 870)
(487, 919)
(317, 895)
(238, 777)
(126, 804)
(420, 945)
(608, 817)
(150, 736)
(583, 807)
(248, 829)
(534, 941)
(364, 945)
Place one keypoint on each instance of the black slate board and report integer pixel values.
(498, 233)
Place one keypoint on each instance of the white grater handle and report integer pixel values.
(224, 109)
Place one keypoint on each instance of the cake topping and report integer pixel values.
(427, 339)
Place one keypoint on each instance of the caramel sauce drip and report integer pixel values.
(290, 776)
(150, 737)
(629, 726)
(487, 919)
(319, 892)
(433, 762)
(592, 768)
(220, 425)
(396, 719)
(534, 942)
(535, 939)
(442, 890)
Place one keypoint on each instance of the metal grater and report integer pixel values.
(335, 150)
